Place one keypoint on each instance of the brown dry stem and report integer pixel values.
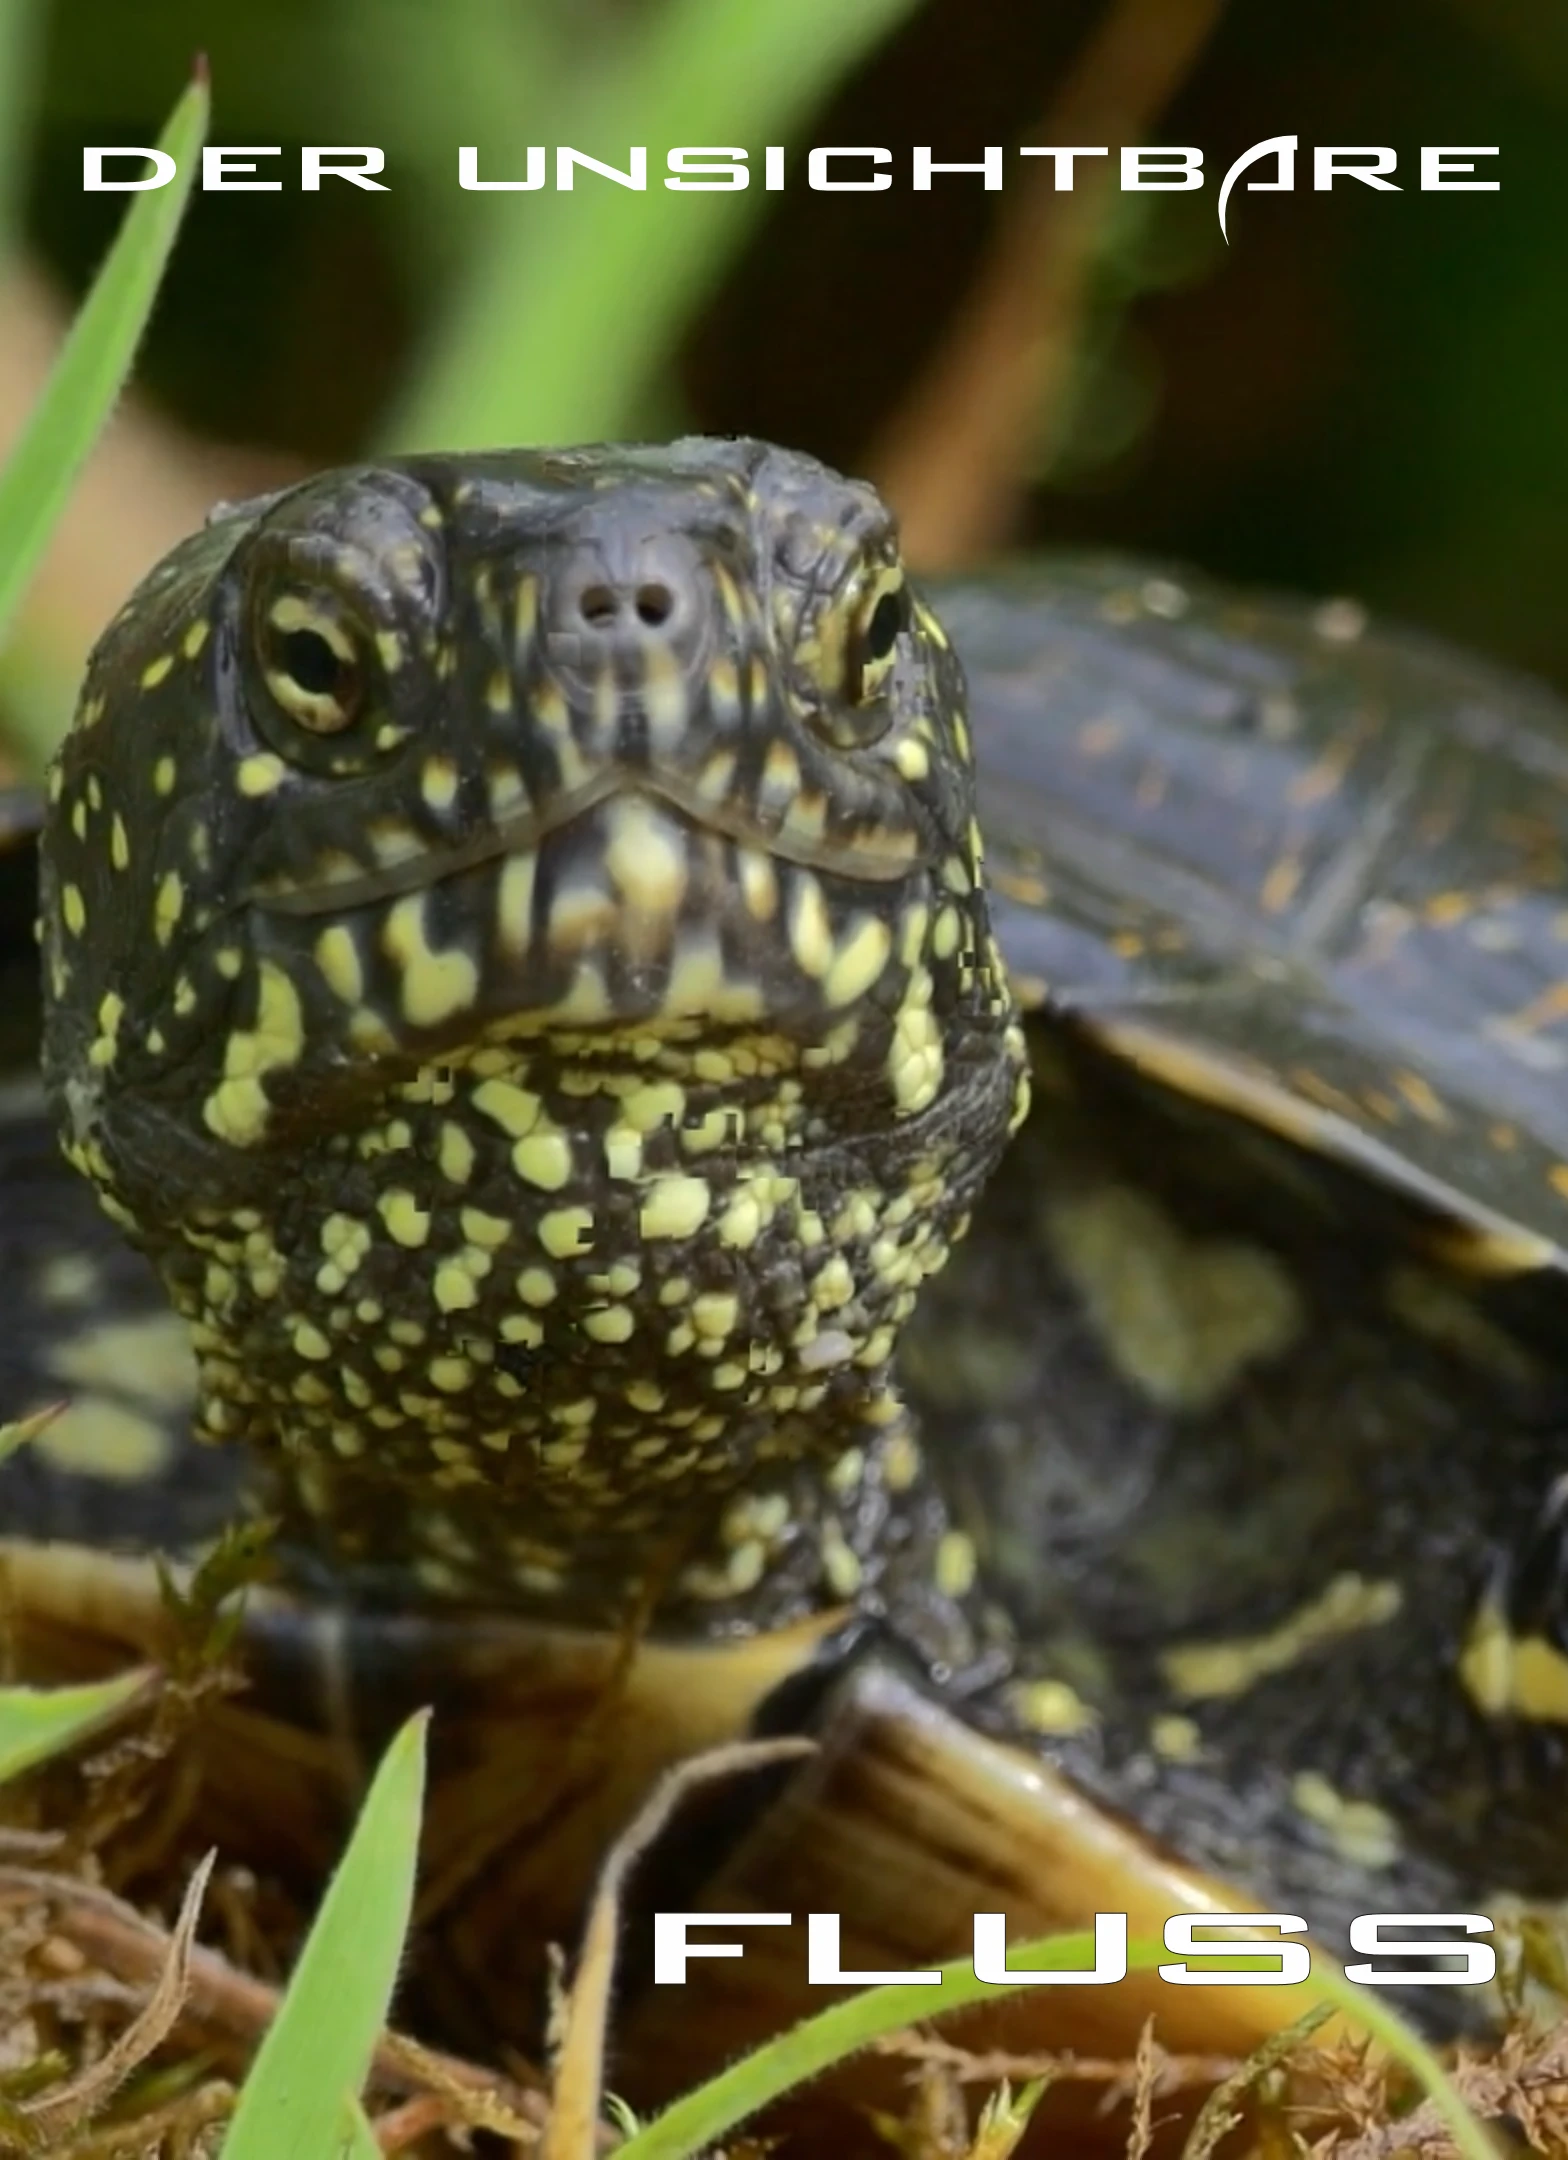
(950, 459)
(227, 2011)
(1172, 2073)
(41, 2122)
(573, 2129)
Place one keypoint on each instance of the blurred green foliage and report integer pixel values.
(93, 363)
(1360, 392)
(520, 317)
(21, 26)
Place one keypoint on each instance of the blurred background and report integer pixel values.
(1363, 392)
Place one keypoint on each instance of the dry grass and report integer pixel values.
(120, 2036)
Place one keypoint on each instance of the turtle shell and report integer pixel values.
(1310, 873)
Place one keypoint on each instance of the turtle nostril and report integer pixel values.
(603, 606)
(624, 594)
(598, 606)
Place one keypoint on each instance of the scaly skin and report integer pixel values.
(517, 959)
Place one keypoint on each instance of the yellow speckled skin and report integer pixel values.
(516, 958)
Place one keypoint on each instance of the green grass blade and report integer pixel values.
(94, 361)
(575, 303)
(357, 2141)
(36, 1724)
(319, 2046)
(701, 2118)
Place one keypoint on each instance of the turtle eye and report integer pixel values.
(846, 659)
(311, 663)
(881, 618)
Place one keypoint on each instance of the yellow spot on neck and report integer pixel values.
(565, 1231)
(455, 1154)
(673, 1207)
(543, 1159)
(482, 1229)
(407, 1222)
(507, 1105)
(456, 1287)
(310, 1342)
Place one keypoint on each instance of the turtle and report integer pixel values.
(719, 1142)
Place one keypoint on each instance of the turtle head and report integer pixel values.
(510, 909)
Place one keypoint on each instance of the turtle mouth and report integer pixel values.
(629, 906)
(408, 862)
